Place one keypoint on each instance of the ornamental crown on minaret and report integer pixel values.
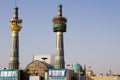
(59, 22)
(15, 22)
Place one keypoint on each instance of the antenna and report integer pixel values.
(15, 2)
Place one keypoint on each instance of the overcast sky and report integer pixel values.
(92, 37)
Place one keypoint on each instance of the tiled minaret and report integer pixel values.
(59, 26)
(15, 27)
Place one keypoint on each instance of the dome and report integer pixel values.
(77, 67)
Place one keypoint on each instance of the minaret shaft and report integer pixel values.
(15, 47)
(59, 43)
(59, 58)
(14, 56)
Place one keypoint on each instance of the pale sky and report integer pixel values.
(92, 36)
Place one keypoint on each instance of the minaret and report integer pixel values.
(15, 27)
(59, 26)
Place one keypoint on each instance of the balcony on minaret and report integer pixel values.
(59, 22)
(15, 22)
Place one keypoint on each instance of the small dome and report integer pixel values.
(77, 67)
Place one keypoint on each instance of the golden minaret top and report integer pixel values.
(15, 22)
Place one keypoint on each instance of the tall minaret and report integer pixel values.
(15, 27)
(59, 26)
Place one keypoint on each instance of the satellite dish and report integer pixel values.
(44, 58)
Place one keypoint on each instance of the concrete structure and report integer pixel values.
(49, 58)
(15, 27)
(59, 26)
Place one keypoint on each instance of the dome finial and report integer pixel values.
(59, 10)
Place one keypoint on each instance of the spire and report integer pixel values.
(16, 13)
(15, 27)
(59, 26)
(60, 10)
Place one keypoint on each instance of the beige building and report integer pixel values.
(90, 76)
